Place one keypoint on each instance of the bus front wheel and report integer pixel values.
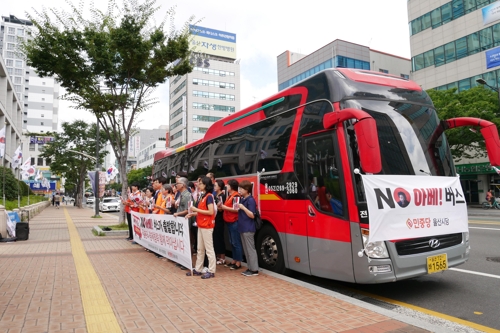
(269, 250)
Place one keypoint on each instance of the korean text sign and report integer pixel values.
(163, 234)
(402, 207)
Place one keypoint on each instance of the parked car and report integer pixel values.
(69, 200)
(109, 205)
(90, 200)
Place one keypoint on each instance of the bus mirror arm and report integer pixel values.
(366, 133)
(488, 130)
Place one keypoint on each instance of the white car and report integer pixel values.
(90, 200)
(109, 205)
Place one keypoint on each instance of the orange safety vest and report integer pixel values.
(159, 202)
(230, 217)
(205, 221)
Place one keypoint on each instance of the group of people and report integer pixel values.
(209, 205)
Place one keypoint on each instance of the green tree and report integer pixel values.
(11, 184)
(478, 102)
(77, 136)
(140, 176)
(110, 63)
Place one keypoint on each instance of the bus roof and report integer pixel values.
(255, 113)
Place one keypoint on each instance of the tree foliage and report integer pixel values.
(140, 176)
(478, 102)
(111, 62)
(12, 185)
(78, 136)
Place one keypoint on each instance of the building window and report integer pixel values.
(405, 76)
(19, 71)
(11, 38)
(39, 161)
(10, 70)
(48, 161)
(10, 62)
(10, 46)
(32, 147)
(43, 83)
(44, 116)
(41, 123)
(19, 63)
(43, 99)
(383, 71)
(20, 32)
(32, 161)
(12, 31)
(17, 88)
(17, 79)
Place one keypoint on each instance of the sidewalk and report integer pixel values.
(65, 279)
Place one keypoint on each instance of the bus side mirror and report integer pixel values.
(366, 133)
(488, 130)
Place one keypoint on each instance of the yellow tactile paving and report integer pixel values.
(99, 315)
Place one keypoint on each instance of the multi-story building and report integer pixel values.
(147, 154)
(11, 115)
(210, 92)
(39, 96)
(139, 141)
(294, 67)
(453, 44)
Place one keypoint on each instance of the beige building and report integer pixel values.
(210, 92)
(453, 44)
(294, 67)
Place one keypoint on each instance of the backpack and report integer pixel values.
(257, 219)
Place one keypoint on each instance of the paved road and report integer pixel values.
(469, 292)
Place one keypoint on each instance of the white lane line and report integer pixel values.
(475, 273)
(484, 228)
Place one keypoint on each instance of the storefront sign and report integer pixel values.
(493, 58)
(491, 13)
(213, 42)
(41, 140)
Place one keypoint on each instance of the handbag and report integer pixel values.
(257, 220)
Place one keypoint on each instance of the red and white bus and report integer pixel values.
(306, 143)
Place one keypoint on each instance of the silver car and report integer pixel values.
(109, 205)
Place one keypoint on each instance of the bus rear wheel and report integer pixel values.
(269, 250)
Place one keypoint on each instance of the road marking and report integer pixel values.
(475, 273)
(484, 222)
(484, 228)
(99, 315)
(430, 312)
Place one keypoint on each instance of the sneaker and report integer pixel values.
(195, 273)
(204, 270)
(228, 264)
(234, 266)
(245, 272)
(183, 268)
(208, 275)
(250, 273)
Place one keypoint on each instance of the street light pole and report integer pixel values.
(97, 167)
(484, 83)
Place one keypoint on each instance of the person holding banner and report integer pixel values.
(246, 227)
(168, 199)
(158, 198)
(219, 244)
(230, 216)
(205, 218)
(126, 206)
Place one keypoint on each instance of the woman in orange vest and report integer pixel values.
(205, 219)
(230, 215)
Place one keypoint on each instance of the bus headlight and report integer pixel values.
(466, 236)
(376, 250)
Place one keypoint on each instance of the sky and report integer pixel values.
(264, 29)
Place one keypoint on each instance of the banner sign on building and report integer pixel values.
(402, 207)
(41, 140)
(493, 57)
(491, 13)
(166, 235)
(40, 185)
(214, 42)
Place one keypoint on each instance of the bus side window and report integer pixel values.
(325, 188)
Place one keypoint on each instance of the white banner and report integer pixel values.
(11, 224)
(402, 207)
(164, 234)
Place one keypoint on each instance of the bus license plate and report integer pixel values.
(437, 263)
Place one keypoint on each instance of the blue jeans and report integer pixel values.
(235, 240)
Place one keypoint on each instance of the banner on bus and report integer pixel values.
(166, 235)
(402, 207)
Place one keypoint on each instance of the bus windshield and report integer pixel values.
(410, 137)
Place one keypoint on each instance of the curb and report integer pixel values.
(101, 232)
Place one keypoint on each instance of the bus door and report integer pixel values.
(326, 212)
